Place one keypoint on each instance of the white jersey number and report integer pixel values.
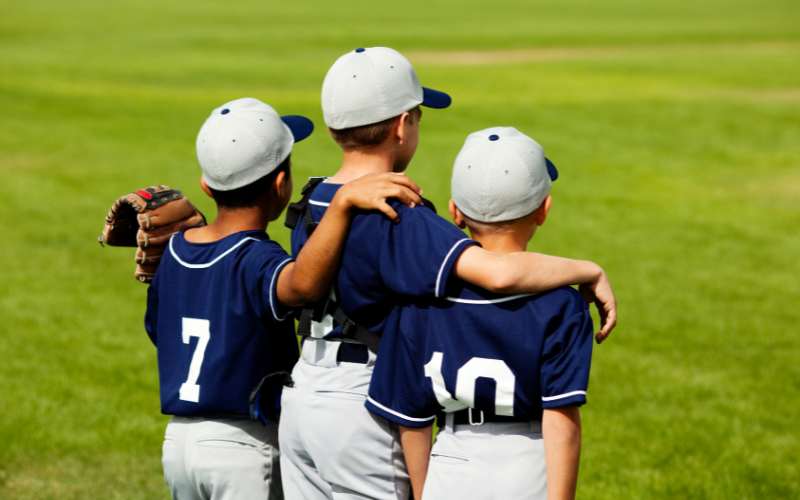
(200, 328)
(466, 377)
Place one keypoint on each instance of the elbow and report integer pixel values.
(308, 291)
(501, 281)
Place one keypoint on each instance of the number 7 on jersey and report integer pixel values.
(200, 328)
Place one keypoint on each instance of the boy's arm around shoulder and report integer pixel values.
(309, 278)
(531, 272)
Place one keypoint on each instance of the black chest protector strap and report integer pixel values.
(351, 331)
(298, 210)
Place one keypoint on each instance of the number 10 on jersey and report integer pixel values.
(466, 378)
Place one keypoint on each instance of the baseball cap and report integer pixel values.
(244, 140)
(369, 85)
(500, 174)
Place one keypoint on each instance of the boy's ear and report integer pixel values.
(540, 215)
(205, 188)
(399, 127)
(455, 213)
(279, 184)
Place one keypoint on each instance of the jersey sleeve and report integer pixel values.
(399, 390)
(151, 313)
(418, 255)
(566, 359)
(261, 276)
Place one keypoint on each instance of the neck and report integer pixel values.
(358, 163)
(229, 221)
(502, 242)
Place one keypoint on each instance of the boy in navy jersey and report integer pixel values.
(217, 308)
(500, 369)
(331, 446)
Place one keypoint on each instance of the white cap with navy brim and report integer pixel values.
(500, 174)
(244, 140)
(369, 85)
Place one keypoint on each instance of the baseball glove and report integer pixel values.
(146, 219)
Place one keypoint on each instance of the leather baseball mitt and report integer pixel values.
(146, 219)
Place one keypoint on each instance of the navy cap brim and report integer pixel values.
(551, 169)
(435, 99)
(300, 126)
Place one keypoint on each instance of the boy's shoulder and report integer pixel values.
(323, 192)
(565, 299)
(418, 227)
(561, 302)
(558, 306)
(261, 254)
(264, 245)
(251, 247)
(420, 217)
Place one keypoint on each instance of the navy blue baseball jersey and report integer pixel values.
(213, 314)
(384, 264)
(505, 355)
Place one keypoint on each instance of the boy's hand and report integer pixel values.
(309, 278)
(600, 293)
(372, 191)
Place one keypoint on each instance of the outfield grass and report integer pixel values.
(676, 127)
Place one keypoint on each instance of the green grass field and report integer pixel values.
(676, 127)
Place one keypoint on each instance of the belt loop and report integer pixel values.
(450, 422)
(472, 420)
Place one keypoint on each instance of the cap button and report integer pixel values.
(494, 137)
(225, 111)
(360, 49)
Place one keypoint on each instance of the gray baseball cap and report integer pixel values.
(500, 174)
(244, 140)
(369, 85)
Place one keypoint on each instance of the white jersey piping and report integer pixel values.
(398, 414)
(444, 263)
(488, 301)
(272, 289)
(207, 264)
(562, 396)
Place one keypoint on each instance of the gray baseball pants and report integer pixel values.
(331, 446)
(207, 459)
(493, 461)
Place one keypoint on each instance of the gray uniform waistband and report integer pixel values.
(326, 353)
(478, 427)
(221, 420)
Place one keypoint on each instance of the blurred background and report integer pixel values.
(675, 125)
